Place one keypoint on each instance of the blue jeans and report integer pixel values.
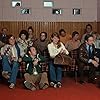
(55, 72)
(12, 68)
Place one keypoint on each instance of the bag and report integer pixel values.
(62, 59)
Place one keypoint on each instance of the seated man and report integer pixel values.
(10, 57)
(87, 57)
(41, 45)
(97, 43)
(88, 30)
(34, 78)
(3, 37)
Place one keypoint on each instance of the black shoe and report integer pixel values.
(53, 84)
(59, 85)
(81, 82)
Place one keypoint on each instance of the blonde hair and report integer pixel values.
(56, 35)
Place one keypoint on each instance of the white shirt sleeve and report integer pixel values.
(54, 51)
(63, 47)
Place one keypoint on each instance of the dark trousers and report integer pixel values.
(91, 74)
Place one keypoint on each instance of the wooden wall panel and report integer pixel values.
(98, 27)
(15, 27)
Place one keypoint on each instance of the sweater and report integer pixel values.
(29, 63)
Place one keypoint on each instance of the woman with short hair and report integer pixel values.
(54, 48)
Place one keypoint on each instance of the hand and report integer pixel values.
(20, 60)
(97, 59)
(13, 58)
(63, 51)
(95, 63)
(35, 61)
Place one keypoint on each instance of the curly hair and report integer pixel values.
(61, 30)
(44, 33)
(25, 33)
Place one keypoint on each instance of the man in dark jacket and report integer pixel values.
(87, 57)
(34, 77)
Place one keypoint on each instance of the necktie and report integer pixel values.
(90, 53)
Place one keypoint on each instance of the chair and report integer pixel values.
(21, 69)
(74, 67)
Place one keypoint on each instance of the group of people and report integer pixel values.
(33, 51)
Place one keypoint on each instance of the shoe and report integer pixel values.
(29, 85)
(81, 82)
(12, 86)
(52, 84)
(59, 85)
(33, 88)
(5, 74)
(55, 86)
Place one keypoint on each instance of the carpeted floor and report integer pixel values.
(69, 91)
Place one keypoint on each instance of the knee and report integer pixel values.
(44, 74)
(26, 75)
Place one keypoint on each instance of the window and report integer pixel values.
(25, 11)
(48, 3)
(57, 11)
(16, 3)
(76, 11)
